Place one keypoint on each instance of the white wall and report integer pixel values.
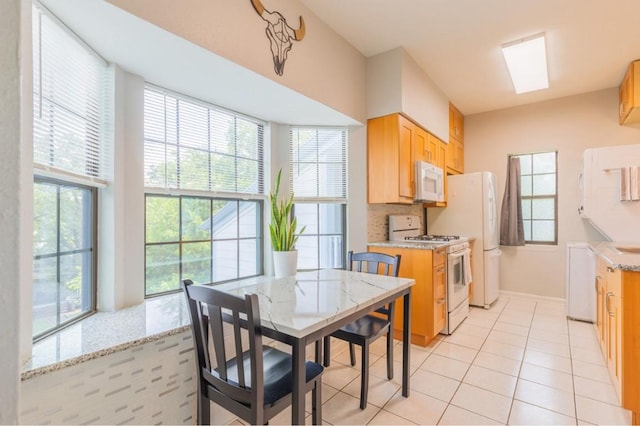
(10, 176)
(121, 207)
(568, 125)
(357, 185)
(322, 66)
(395, 83)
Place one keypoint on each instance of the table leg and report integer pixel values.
(406, 344)
(298, 378)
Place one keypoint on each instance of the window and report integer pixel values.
(72, 155)
(539, 190)
(319, 181)
(64, 255)
(211, 160)
(190, 145)
(202, 239)
(70, 98)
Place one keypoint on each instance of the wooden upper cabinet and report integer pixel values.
(455, 149)
(394, 143)
(455, 156)
(405, 171)
(629, 110)
(431, 150)
(456, 123)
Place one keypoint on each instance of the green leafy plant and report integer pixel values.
(283, 226)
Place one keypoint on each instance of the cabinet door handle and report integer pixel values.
(441, 301)
(606, 303)
(598, 278)
(610, 269)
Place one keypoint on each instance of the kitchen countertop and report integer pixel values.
(420, 245)
(107, 332)
(622, 256)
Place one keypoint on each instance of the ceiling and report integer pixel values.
(457, 42)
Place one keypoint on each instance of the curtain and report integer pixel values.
(511, 225)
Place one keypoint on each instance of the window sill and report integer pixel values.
(108, 332)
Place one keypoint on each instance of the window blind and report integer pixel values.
(318, 163)
(192, 145)
(71, 91)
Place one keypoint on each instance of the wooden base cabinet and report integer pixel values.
(428, 303)
(618, 329)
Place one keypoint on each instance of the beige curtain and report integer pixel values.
(511, 226)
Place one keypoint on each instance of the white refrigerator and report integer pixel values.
(472, 212)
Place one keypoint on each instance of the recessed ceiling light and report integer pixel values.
(527, 63)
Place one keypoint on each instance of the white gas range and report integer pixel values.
(406, 228)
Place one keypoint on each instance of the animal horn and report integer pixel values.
(299, 33)
(257, 5)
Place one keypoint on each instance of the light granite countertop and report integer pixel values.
(108, 332)
(420, 245)
(623, 256)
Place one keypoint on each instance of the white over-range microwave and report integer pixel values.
(429, 182)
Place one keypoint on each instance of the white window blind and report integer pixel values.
(71, 90)
(191, 145)
(318, 163)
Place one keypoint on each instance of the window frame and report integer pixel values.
(259, 238)
(318, 235)
(554, 197)
(93, 250)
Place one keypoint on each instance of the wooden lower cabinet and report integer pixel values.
(439, 290)
(618, 329)
(428, 295)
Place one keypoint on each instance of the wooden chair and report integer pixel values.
(254, 384)
(369, 328)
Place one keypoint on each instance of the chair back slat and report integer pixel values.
(376, 263)
(217, 334)
(226, 318)
(238, 341)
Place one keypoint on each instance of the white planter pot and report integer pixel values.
(285, 263)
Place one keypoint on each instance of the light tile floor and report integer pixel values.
(520, 362)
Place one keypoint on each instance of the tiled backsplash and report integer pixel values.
(378, 218)
(150, 383)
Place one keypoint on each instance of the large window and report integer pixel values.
(211, 161)
(319, 181)
(72, 156)
(539, 190)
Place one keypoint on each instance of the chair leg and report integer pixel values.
(316, 403)
(352, 354)
(327, 351)
(389, 356)
(364, 382)
(204, 410)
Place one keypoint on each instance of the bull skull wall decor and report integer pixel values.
(279, 33)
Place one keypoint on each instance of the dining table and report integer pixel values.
(302, 309)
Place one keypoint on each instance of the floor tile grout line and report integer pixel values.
(522, 363)
(467, 371)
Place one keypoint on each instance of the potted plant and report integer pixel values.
(283, 233)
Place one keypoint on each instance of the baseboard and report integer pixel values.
(558, 300)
